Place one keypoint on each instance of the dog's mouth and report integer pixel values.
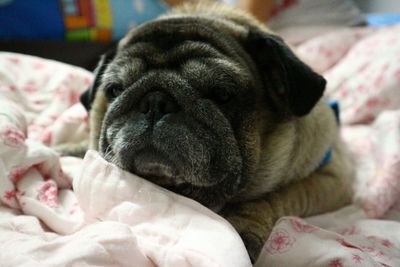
(156, 167)
(168, 171)
(157, 173)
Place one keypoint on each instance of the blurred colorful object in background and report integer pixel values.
(383, 19)
(33, 19)
(97, 20)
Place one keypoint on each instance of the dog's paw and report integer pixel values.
(72, 150)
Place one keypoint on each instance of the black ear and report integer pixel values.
(88, 96)
(293, 87)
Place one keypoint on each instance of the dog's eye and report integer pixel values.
(220, 96)
(114, 91)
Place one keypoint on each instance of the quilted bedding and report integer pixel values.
(113, 218)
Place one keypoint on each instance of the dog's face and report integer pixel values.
(188, 104)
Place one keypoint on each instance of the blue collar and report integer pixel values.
(329, 154)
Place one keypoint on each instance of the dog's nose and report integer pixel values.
(158, 104)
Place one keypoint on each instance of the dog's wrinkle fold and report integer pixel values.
(176, 31)
(155, 57)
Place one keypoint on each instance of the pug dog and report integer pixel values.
(208, 103)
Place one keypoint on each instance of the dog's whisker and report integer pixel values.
(108, 152)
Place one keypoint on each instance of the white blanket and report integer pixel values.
(113, 218)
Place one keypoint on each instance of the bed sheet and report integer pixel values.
(113, 218)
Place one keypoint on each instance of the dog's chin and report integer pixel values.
(158, 173)
(153, 166)
(161, 169)
(164, 175)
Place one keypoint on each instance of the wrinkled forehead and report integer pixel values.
(173, 27)
(172, 42)
(186, 35)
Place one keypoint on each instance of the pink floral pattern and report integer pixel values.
(38, 65)
(74, 208)
(30, 172)
(279, 241)
(386, 243)
(348, 244)
(15, 60)
(48, 194)
(46, 176)
(13, 137)
(16, 174)
(30, 88)
(12, 88)
(69, 96)
(357, 258)
(299, 226)
(46, 137)
(336, 263)
(349, 231)
(9, 195)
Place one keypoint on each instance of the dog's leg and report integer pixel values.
(73, 149)
(321, 192)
